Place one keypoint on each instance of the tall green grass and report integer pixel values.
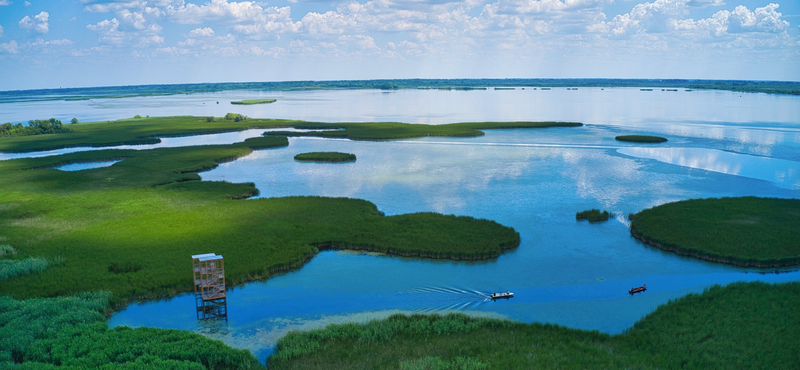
(746, 231)
(13, 268)
(741, 326)
(69, 332)
(436, 363)
(6, 250)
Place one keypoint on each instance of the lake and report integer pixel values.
(564, 272)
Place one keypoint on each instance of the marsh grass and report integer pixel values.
(395, 130)
(69, 332)
(746, 231)
(333, 157)
(436, 363)
(13, 268)
(253, 101)
(124, 267)
(6, 250)
(147, 130)
(742, 326)
(593, 215)
(641, 139)
(134, 235)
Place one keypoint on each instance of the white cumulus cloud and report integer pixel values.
(669, 16)
(548, 6)
(38, 23)
(218, 10)
(363, 42)
(10, 47)
(201, 32)
(108, 32)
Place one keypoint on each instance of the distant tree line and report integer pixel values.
(34, 127)
(82, 93)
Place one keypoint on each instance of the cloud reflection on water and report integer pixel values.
(783, 173)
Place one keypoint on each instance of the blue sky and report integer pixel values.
(71, 43)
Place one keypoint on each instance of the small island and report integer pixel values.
(253, 102)
(641, 138)
(329, 157)
(745, 231)
(593, 215)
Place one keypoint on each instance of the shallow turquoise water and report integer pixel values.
(565, 272)
(86, 165)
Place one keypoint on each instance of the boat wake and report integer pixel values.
(433, 299)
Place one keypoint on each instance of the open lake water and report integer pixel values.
(565, 272)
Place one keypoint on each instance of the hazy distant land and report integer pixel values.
(105, 92)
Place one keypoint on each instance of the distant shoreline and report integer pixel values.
(106, 92)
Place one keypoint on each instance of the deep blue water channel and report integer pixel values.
(565, 272)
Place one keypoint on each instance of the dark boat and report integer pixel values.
(640, 289)
(502, 295)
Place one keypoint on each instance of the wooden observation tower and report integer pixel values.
(209, 286)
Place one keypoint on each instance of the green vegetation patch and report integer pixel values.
(34, 127)
(593, 215)
(14, 268)
(131, 228)
(746, 231)
(743, 326)
(325, 157)
(641, 139)
(6, 250)
(147, 130)
(70, 333)
(395, 130)
(254, 101)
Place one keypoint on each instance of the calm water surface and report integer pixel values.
(565, 272)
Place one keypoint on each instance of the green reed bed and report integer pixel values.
(746, 231)
(147, 130)
(743, 326)
(254, 101)
(70, 333)
(135, 131)
(395, 130)
(641, 138)
(593, 215)
(333, 157)
(6, 250)
(13, 268)
(131, 227)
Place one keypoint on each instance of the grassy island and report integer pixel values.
(593, 215)
(741, 325)
(325, 157)
(254, 101)
(392, 130)
(641, 138)
(147, 130)
(746, 231)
